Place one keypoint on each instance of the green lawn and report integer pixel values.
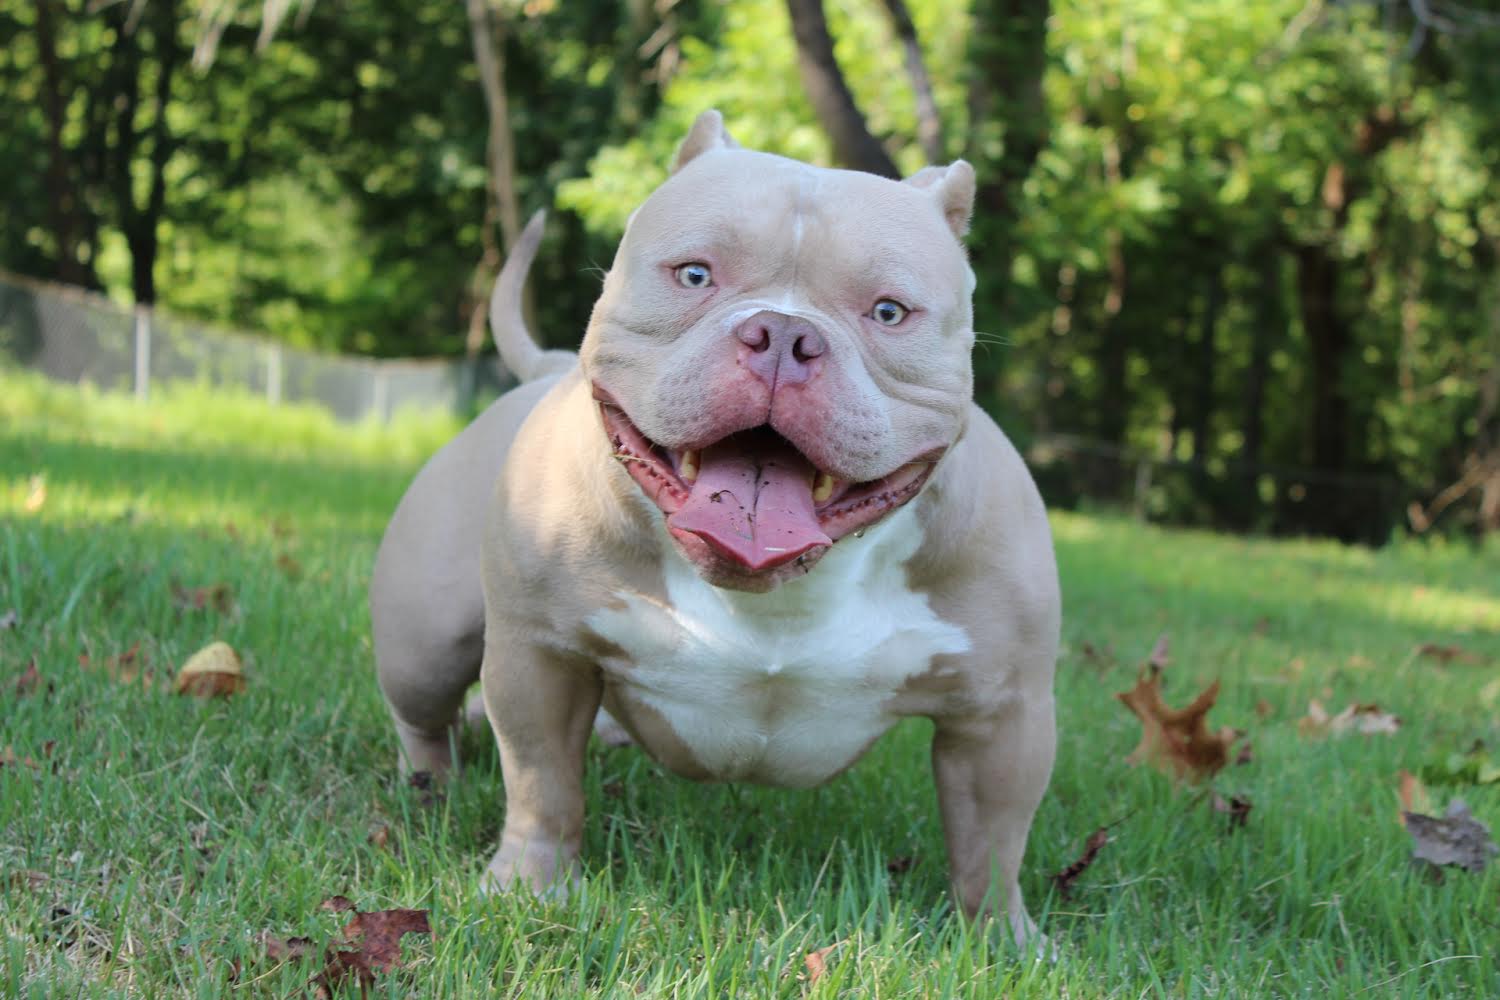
(160, 836)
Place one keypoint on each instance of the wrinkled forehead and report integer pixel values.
(745, 202)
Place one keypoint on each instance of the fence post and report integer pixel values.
(1142, 488)
(273, 373)
(142, 352)
(381, 403)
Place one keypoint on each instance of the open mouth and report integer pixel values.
(752, 497)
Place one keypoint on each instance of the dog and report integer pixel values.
(755, 521)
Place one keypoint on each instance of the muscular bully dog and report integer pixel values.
(758, 519)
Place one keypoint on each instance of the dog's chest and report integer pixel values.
(783, 688)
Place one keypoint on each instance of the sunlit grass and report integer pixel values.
(163, 835)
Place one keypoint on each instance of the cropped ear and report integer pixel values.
(708, 133)
(953, 186)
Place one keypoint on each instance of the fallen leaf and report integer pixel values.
(280, 949)
(380, 837)
(816, 962)
(1457, 838)
(28, 682)
(1264, 709)
(8, 758)
(289, 567)
(1245, 756)
(1367, 719)
(1064, 879)
(212, 672)
(1413, 794)
(127, 667)
(1161, 653)
(369, 943)
(1176, 740)
(218, 596)
(1236, 807)
(8, 620)
(424, 782)
(1447, 653)
(36, 495)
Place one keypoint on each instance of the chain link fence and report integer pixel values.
(76, 336)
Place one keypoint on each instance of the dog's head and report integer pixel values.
(781, 352)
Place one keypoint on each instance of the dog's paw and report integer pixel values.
(547, 870)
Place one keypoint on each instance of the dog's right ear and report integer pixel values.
(707, 134)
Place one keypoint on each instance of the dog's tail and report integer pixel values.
(519, 352)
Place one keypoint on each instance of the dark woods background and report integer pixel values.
(1238, 262)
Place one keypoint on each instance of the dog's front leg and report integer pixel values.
(542, 709)
(991, 772)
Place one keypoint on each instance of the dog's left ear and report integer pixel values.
(708, 133)
(953, 186)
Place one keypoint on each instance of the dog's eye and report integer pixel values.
(889, 312)
(695, 275)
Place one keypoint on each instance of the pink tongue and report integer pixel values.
(753, 502)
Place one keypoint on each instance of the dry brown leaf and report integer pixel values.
(218, 597)
(369, 943)
(1446, 654)
(1064, 879)
(1176, 741)
(816, 962)
(1236, 807)
(1264, 709)
(214, 671)
(1366, 719)
(1413, 795)
(36, 495)
(127, 668)
(1455, 838)
(290, 567)
(28, 682)
(1161, 653)
(380, 837)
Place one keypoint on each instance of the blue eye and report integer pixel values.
(695, 275)
(889, 312)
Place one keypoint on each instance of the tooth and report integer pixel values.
(688, 467)
(822, 487)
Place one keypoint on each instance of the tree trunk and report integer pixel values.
(1206, 362)
(1329, 339)
(501, 203)
(929, 124)
(823, 82)
(1267, 328)
(64, 203)
(1007, 111)
(140, 223)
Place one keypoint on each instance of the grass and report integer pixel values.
(160, 836)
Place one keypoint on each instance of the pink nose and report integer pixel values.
(780, 349)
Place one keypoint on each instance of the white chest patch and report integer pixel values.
(788, 687)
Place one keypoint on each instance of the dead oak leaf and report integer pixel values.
(1176, 741)
(1236, 807)
(1064, 879)
(1161, 653)
(214, 671)
(1413, 796)
(1455, 838)
(817, 963)
(376, 937)
(216, 597)
(28, 682)
(1447, 653)
(1366, 718)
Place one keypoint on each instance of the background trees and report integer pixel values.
(1255, 244)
